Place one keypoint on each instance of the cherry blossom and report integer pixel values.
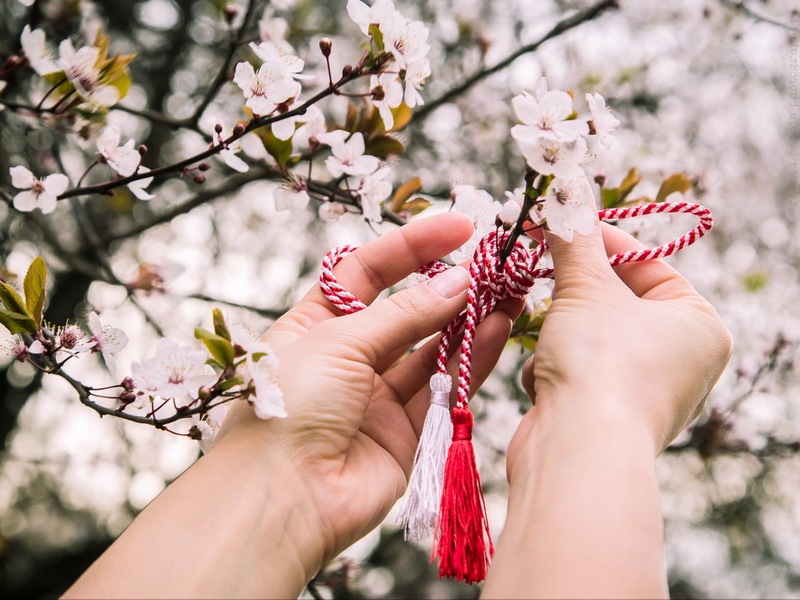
(405, 39)
(138, 187)
(569, 207)
(41, 194)
(392, 96)
(80, 67)
(377, 14)
(373, 190)
(231, 149)
(313, 126)
(550, 156)
(481, 207)
(509, 213)
(281, 57)
(331, 211)
(107, 340)
(40, 56)
(208, 425)
(271, 28)
(123, 159)
(292, 196)
(267, 88)
(546, 115)
(416, 72)
(603, 122)
(174, 371)
(348, 156)
(266, 397)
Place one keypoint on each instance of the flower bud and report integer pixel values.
(126, 398)
(142, 150)
(128, 384)
(230, 12)
(11, 62)
(325, 45)
(347, 70)
(238, 129)
(195, 433)
(218, 127)
(203, 167)
(199, 178)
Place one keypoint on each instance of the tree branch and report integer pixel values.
(740, 6)
(562, 26)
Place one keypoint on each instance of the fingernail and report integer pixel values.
(450, 283)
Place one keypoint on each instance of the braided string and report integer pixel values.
(491, 282)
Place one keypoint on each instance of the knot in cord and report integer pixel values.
(463, 421)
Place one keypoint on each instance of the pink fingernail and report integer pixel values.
(450, 283)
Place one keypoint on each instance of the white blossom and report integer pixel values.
(551, 156)
(348, 156)
(546, 115)
(123, 159)
(416, 72)
(265, 89)
(603, 122)
(405, 39)
(208, 425)
(481, 207)
(392, 96)
(271, 28)
(331, 211)
(107, 340)
(363, 15)
(80, 67)
(509, 213)
(138, 187)
(174, 371)
(41, 194)
(267, 397)
(569, 207)
(231, 149)
(39, 54)
(373, 190)
(313, 126)
(292, 196)
(280, 56)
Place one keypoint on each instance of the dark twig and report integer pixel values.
(562, 26)
(741, 6)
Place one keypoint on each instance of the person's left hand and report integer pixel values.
(354, 412)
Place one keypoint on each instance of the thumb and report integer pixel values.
(579, 265)
(407, 316)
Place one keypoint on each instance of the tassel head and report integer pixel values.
(462, 540)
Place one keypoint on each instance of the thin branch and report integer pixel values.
(742, 7)
(270, 313)
(160, 117)
(562, 26)
(222, 74)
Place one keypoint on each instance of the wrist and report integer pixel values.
(283, 542)
(581, 425)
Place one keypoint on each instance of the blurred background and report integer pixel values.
(707, 88)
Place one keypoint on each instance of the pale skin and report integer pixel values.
(273, 501)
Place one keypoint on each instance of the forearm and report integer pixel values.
(584, 518)
(231, 526)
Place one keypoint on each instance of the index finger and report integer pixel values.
(376, 266)
(650, 279)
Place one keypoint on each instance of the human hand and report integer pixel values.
(354, 412)
(634, 345)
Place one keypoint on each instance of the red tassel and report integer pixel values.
(462, 540)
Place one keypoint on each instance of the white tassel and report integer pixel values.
(421, 507)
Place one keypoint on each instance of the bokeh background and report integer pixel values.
(708, 88)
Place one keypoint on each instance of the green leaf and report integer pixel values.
(12, 300)
(416, 206)
(34, 286)
(17, 322)
(280, 150)
(220, 348)
(383, 146)
(631, 181)
(404, 192)
(402, 116)
(377, 36)
(610, 197)
(219, 324)
(229, 383)
(677, 182)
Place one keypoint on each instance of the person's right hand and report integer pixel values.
(631, 345)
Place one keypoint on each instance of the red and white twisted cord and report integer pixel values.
(491, 283)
